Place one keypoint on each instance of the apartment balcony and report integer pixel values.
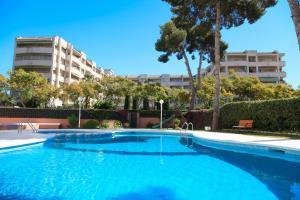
(74, 59)
(19, 50)
(77, 72)
(33, 63)
(270, 63)
(259, 74)
(61, 79)
(46, 75)
(271, 74)
(234, 63)
(178, 83)
(237, 73)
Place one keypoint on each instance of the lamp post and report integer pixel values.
(80, 100)
(161, 104)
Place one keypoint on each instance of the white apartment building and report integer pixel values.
(267, 66)
(56, 59)
(166, 80)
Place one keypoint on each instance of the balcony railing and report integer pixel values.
(33, 50)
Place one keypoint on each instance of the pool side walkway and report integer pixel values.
(11, 138)
(266, 141)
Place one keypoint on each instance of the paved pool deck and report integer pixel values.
(12, 138)
(277, 142)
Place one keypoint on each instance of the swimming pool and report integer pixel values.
(142, 166)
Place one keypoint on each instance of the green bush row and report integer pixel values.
(155, 113)
(271, 115)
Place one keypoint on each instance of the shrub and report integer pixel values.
(101, 114)
(104, 124)
(91, 124)
(176, 122)
(272, 115)
(155, 113)
(126, 125)
(73, 121)
(117, 124)
(150, 125)
(104, 104)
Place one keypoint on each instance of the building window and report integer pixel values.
(62, 73)
(252, 59)
(63, 61)
(252, 69)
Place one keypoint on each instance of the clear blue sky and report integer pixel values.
(120, 34)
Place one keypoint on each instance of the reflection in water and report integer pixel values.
(280, 176)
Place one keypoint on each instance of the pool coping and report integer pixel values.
(218, 137)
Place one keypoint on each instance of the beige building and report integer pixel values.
(267, 66)
(166, 80)
(57, 60)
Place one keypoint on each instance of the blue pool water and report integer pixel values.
(136, 167)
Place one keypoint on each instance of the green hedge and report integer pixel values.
(155, 113)
(271, 115)
(200, 118)
(58, 113)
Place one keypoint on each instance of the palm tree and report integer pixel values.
(295, 10)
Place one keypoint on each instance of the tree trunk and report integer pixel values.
(199, 71)
(216, 106)
(295, 10)
(199, 76)
(193, 88)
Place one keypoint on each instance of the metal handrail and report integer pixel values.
(190, 123)
(187, 128)
(22, 122)
(187, 125)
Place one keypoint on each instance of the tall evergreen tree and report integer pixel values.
(220, 14)
(181, 38)
(295, 10)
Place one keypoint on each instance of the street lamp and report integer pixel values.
(161, 104)
(80, 100)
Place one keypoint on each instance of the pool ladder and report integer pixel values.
(24, 122)
(187, 125)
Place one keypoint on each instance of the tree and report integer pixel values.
(30, 88)
(220, 14)
(89, 90)
(283, 91)
(206, 92)
(179, 98)
(4, 88)
(117, 88)
(72, 92)
(236, 88)
(295, 10)
(152, 93)
(180, 37)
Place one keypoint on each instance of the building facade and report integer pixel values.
(267, 66)
(166, 80)
(56, 59)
